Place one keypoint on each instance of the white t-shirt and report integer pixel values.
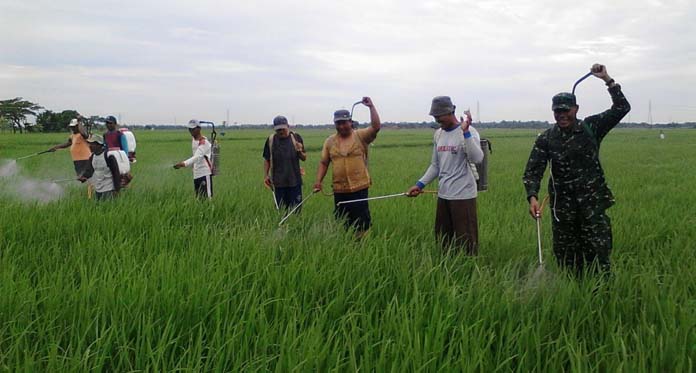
(201, 158)
(102, 179)
(452, 153)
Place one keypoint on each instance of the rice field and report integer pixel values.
(158, 281)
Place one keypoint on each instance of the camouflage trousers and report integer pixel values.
(581, 239)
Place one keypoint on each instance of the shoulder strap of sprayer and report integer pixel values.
(588, 130)
(213, 141)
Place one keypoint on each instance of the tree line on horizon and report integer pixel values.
(15, 111)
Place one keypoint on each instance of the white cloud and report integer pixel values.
(262, 57)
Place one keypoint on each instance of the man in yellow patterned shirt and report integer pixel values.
(347, 151)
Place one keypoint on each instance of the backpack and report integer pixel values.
(122, 163)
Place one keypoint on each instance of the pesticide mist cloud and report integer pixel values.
(15, 186)
(8, 169)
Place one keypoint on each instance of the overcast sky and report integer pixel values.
(156, 61)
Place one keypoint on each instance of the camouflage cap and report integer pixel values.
(563, 101)
(442, 105)
(340, 115)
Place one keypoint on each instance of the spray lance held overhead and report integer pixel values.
(215, 149)
(351, 111)
(580, 80)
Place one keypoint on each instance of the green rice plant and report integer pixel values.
(158, 281)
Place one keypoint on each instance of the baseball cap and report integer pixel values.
(193, 123)
(563, 101)
(280, 122)
(342, 114)
(95, 139)
(73, 123)
(441, 105)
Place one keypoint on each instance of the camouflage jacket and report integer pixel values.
(577, 178)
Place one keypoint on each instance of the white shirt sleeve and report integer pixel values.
(199, 154)
(473, 146)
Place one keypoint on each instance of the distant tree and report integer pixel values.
(5, 124)
(56, 122)
(16, 110)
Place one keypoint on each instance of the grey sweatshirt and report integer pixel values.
(452, 153)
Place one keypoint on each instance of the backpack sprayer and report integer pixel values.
(215, 149)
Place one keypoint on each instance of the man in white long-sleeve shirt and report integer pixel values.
(202, 166)
(456, 145)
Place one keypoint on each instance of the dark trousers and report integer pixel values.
(456, 225)
(103, 196)
(356, 214)
(288, 197)
(579, 240)
(203, 187)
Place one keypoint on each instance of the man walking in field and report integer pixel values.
(578, 192)
(79, 149)
(347, 151)
(282, 153)
(103, 174)
(456, 144)
(200, 161)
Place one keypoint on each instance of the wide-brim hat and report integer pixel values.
(441, 105)
(95, 139)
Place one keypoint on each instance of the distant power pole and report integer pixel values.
(650, 118)
(227, 122)
(478, 113)
(119, 118)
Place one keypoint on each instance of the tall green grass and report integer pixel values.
(157, 281)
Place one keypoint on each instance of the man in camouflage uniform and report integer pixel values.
(578, 192)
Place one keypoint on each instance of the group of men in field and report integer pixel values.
(96, 158)
(579, 195)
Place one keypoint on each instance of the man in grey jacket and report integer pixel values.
(455, 145)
